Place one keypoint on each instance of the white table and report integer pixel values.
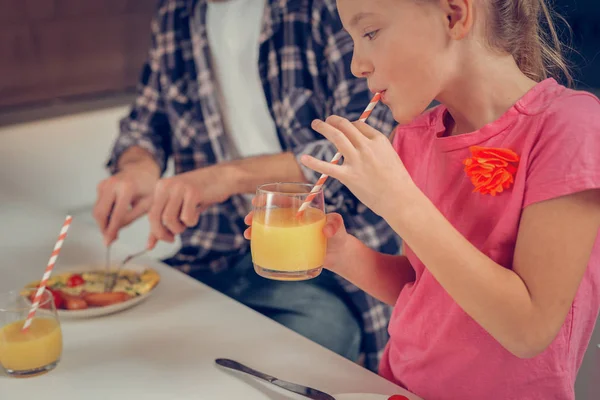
(165, 347)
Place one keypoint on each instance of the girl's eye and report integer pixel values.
(371, 35)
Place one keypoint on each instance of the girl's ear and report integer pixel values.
(459, 14)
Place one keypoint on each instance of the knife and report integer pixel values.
(292, 387)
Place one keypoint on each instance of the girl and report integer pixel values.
(495, 193)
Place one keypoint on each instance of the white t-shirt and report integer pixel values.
(233, 29)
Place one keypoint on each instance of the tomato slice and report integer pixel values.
(58, 300)
(56, 296)
(398, 397)
(75, 280)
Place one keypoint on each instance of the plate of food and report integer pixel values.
(80, 293)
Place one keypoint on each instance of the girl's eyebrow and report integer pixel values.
(358, 17)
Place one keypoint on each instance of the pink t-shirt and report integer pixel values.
(436, 350)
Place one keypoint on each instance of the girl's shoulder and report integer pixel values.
(556, 103)
(569, 117)
(562, 152)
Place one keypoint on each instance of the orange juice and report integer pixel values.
(40, 346)
(283, 242)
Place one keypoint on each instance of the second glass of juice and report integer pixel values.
(285, 244)
(36, 350)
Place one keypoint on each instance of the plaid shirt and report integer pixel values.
(304, 60)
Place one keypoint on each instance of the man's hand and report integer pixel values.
(123, 198)
(179, 200)
(127, 195)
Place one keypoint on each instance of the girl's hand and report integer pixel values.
(334, 231)
(372, 169)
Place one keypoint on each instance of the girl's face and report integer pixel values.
(402, 47)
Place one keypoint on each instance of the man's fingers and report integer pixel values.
(172, 213)
(140, 208)
(102, 208)
(190, 210)
(152, 241)
(155, 216)
(121, 206)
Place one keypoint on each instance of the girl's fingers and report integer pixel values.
(351, 131)
(248, 218)
(366, 130)
(323, 167)
(335, 136)
(333, 224)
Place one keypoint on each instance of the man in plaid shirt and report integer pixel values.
(229, 91)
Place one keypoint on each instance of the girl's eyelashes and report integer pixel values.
(371, 35)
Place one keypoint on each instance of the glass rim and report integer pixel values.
(19, 293)
(261, 189)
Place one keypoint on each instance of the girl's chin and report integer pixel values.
(402, 118)
(405, 113)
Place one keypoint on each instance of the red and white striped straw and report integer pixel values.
(49, 268)
(337, 157)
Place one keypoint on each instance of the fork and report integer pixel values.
(107, 268)
(152, 241)
(115, 275)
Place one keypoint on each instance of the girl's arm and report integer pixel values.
(522, 308)
(381, 275)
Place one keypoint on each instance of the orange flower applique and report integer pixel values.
(491, 170)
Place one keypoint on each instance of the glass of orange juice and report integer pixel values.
(287, 245)
(37, 350)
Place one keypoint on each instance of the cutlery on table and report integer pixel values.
(107, 269)
(152, 241)
(292, 387)
(115, 275)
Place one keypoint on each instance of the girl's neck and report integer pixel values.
(482, 91)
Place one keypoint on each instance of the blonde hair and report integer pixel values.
(525, 29)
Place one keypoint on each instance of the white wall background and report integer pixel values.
(59, 161)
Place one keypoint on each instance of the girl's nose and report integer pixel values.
(360, 67)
